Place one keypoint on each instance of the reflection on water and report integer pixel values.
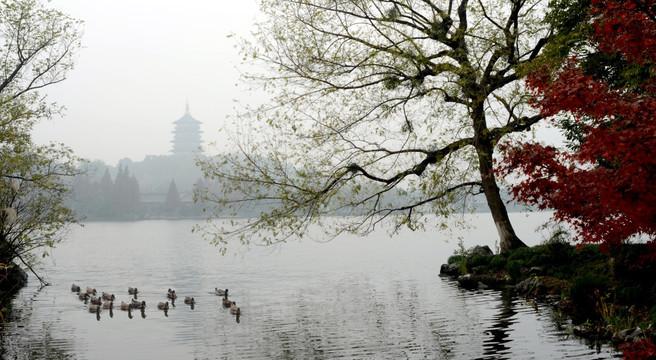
(373, 298)
(499, 331)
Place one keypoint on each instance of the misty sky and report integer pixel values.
(141, 61)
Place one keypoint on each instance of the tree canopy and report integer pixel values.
(38, 50)
(379, 110)
(603, 94)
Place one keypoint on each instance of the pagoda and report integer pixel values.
(186, 136)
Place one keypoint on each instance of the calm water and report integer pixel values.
(353, 298)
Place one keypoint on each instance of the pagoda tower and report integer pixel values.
(186, 136)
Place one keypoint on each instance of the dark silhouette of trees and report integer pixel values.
(107, 198)
(172, 204)
(126, 199)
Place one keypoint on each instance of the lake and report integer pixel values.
(352, 298)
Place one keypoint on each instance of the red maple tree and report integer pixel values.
(605, 184)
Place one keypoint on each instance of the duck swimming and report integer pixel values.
(189, 300)
(138, 305)
(226, 303)
(234, 309)
(96, 300)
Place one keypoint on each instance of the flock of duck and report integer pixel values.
(106, 301)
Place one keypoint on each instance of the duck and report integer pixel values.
(83, 296)
(163, 305)
(75, 288)
(226, 302)
(132, 291)
(106, 296)
(189, 300)
(91, 291)
(138, 305)
(108, 304)
(171, 294)
(96, 300)
(125, 306)
(234, 309)
(221, 292)
(94, 308)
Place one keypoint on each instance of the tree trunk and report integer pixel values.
(507, 238)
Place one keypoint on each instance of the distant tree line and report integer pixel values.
(121, 198)
(162, 187)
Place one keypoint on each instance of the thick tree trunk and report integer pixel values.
(507, 238)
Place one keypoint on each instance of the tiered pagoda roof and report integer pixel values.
(186, 135)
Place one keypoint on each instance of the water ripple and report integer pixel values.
(358, 299)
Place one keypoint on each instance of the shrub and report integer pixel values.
(454, 259)
(584, 292)
(497, 263)
(478, 260)
(559, 252)
(514, 269)
(521, 254)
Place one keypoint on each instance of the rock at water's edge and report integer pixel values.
(479, 250)
(13, 278)
(450, 269)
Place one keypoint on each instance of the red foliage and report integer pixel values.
(643, 350)
(606, 189)
(627, 27)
